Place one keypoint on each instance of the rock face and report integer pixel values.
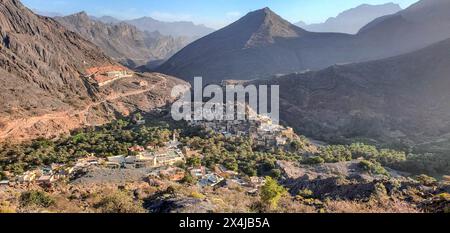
(263, 44)
(399, 99)
(352, 20)
(123, 42)
(42, 89)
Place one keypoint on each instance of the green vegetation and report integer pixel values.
(431, 164)
(426, 180)
(2, 175)
(271, 192)
(314, 160)
(373, 167)
(341, 153)
(36, 198)
(306, 193)
(235, 153)
(108, 140)
(189, 179)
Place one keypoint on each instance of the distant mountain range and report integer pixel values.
(124, 42)
(175, 29)
(262, 44)
(352, 20)
(182, 28)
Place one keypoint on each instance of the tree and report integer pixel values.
(271, 192)
(194, 161)
(36, 198)
(189, 179)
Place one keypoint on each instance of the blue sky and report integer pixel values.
(213, 13)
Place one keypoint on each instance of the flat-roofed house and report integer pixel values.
(102, 75)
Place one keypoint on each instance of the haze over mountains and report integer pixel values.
(124, 42)
(262, 44)
(43, 91)
(181, 28)
(352, 20)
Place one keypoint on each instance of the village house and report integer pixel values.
(4, 182)
(87, 162)
(168, 155)
(46, 180)
(210, 179)
(29, 176)
(136, 148)
(103, 75)
(223, 172)
(257, 182)
(197, 172)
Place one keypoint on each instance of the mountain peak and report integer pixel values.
(80, 16)
(268, 26)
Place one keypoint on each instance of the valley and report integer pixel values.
(86, 121)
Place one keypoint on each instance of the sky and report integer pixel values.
(212, 13)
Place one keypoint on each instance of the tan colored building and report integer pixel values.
(103, 75)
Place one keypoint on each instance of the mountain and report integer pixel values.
(177, 29)
(259, 44)
(352, 20)
(262, 44)
(399, 99)
(43, 91)
(422, 24)
(123, 42)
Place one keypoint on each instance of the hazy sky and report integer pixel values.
(213, 13)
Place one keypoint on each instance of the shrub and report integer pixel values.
(197, 195)
(119, 202)
(426, 180)
(271, 192)
(5, 208)
(36, 198)
(275, 173)
(188, 179)
(306, 193)
(373, 167)
(314, 160)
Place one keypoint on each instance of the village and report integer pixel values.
(162, 162)
(168, 162)
(261, 130)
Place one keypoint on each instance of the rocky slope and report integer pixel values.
(262, 44)
(352, 20)
(123, 42)
(42, 92)
(399, 99)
